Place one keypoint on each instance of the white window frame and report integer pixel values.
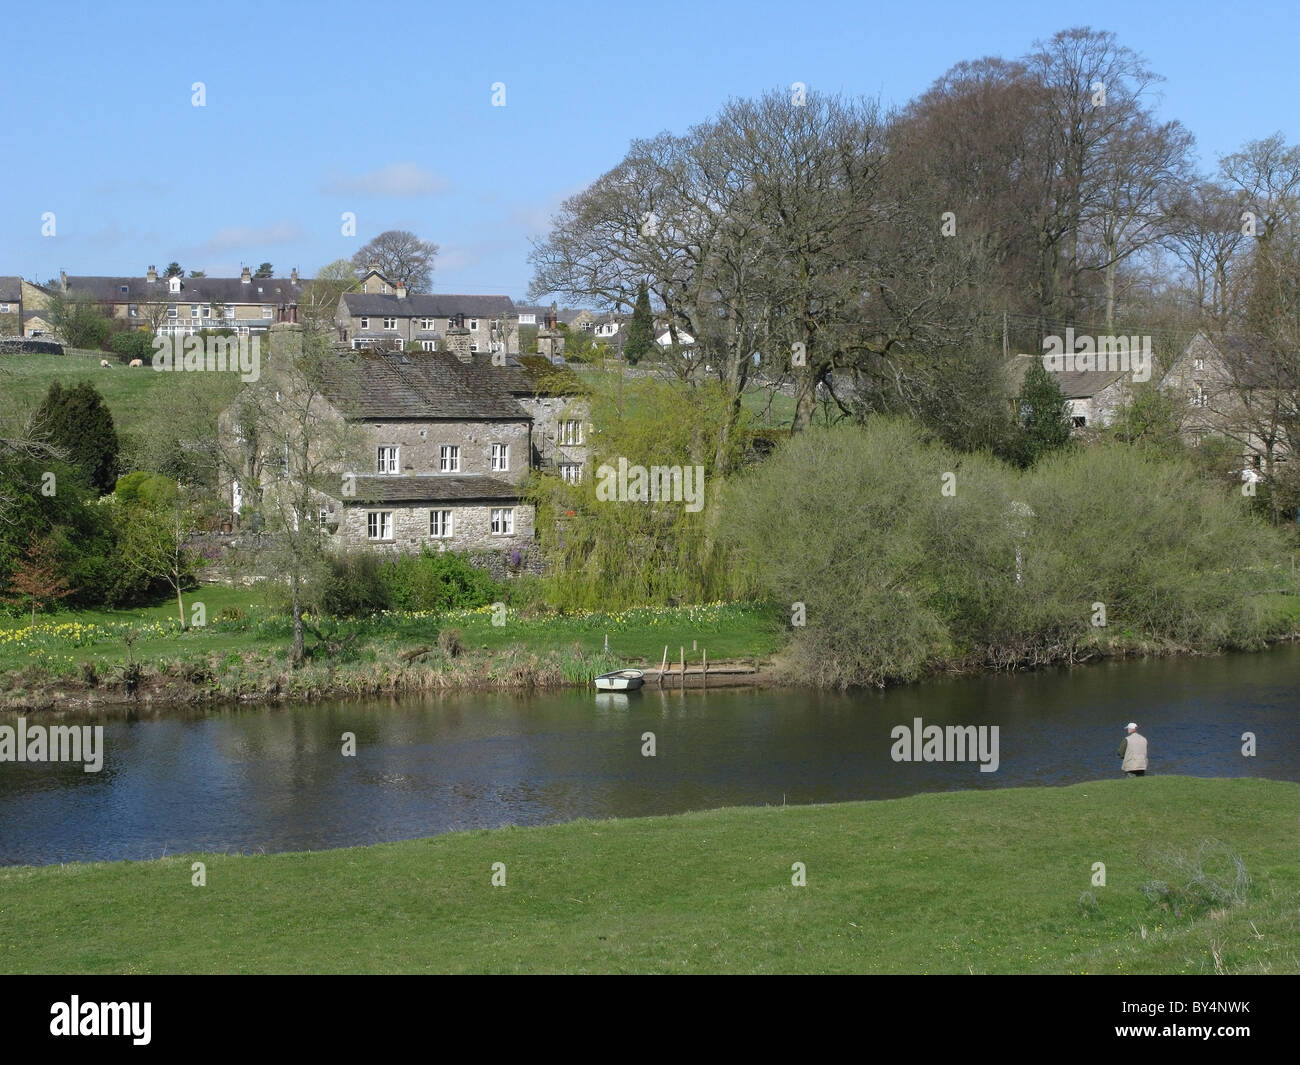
(172, 311)
(268, 312)
(571, 472)
(528, 319)
(427, 323)
(322, 517)
(449, 458)
(390, 322)
(365, 321)
(503, 521)
(473, 325)
(194, 310)
(379, 521)
(571, 432)
(441, 524)
(473, 347)
(499, 455)
(388, 458)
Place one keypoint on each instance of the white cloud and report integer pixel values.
(232, 237)
(396, 180)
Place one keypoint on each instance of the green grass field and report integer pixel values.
(963, 882)
(137, 396)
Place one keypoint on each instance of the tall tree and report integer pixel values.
(640, 330)
(319, 299)
(265, 270)
(79, 423)
(37, 581)
(174, 269)
(400, 256)
(1044, 416)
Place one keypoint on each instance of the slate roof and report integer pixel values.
(427, 305)
(1074, 384)
(274, 290)
(431, 488)
(11, 289)
(416, 385)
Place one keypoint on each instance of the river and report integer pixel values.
(252, 779)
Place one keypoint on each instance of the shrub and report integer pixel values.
(1193, 883)
(354, 586)
(438, 580)
(132, 344)
(449, 642)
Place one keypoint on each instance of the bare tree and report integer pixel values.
(402, 256)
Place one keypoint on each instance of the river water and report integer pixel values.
(248, 779)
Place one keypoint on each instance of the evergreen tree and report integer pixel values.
(640, 330)
(174, 269)
(265, 270)
(79, 423)
(1044, 423)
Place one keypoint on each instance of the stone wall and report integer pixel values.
(419, 444)
(471, 527)
(19, 346)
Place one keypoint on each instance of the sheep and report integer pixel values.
(136, 362)
(104, 363)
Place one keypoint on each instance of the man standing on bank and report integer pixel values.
(1133, 749)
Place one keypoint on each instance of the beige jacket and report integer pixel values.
(1134, 749)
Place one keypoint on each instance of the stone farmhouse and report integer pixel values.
(444, 441)
(1233, 390)
(23, 308)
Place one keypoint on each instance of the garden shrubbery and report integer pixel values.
(361, 583)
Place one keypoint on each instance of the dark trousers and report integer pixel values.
(1137, 772)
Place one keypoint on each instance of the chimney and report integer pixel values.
(152, 275)
(401, 290)
(245, 276)
(458, 342)
(63, 281)
(293, 276)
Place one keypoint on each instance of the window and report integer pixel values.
(1202, 399)
(194, 310)
(473, 346)
(586, 327)
(449, 458)
(426, 323)
(1079, 421)
(268, 312)
(571, 432)
(390, 323)
(171, 311)
(384, 288)
(528, 319)
(503, 521)
(440, 524)
(1198, 364)
(365, 322)
(500, 458)
(132, 310)
(571, 472)
(124, 290)
(473, 325)
(379, 525)
(207, 311)
(4, 308)
(322, 517)
(387, 460)
(429, 345)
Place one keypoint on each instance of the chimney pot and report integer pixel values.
(246, 276)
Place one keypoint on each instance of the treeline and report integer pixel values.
(887, 259)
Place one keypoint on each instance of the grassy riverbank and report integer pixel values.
(88, 658)
(985, 882)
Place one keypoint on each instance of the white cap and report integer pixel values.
(1131, 726)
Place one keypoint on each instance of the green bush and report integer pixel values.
(438, 580)
(132, 344)
(353, 586)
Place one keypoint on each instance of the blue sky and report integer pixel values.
(385, 110)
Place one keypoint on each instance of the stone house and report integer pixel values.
(11, 306)
(182, 306)
(1092, 396)
(444, 440)
(1233, 390)
(383, 315)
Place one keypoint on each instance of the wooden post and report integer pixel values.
(663, 666)
(704, 657)
(683, 650)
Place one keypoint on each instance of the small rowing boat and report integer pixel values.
(620, 680)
